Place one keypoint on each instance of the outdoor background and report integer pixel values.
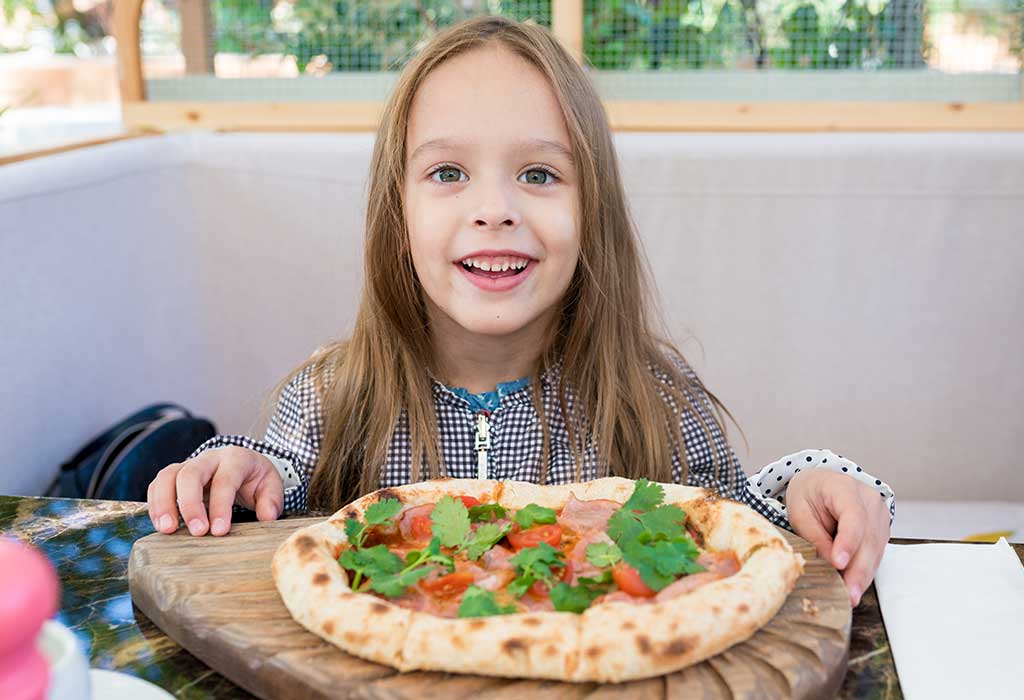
(60, 53)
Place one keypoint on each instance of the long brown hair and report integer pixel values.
(627, 392)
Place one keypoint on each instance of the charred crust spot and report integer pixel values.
(550, 650)
(512, 645)
(355, 638)
(743, 608)
(643, 644)
(389, 493)
(351, 515)
(593, 652)
(320, 578)
(716, 610)
(458, 642)
(328, 627)
(305, 546)
(531, 621)
(678, 646)
(477, 624)
(629, 625)
(379, 608)
(753, 530)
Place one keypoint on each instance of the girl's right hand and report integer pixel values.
(238, 476)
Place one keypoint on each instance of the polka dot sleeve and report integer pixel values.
(771, 482)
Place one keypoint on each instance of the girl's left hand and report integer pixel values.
(844, 519)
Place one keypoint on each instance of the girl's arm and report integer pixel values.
(292, 441)
(770, 484)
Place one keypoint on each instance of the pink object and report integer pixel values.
(28, 597)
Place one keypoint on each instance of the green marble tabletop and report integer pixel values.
(89, 543)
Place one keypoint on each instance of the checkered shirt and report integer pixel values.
(294, 435)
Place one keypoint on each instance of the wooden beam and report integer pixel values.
(567, 25)
(197, 36)
(623, 116)
(74, 146)
(127, 14)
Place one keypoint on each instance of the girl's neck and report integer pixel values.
(478, 362)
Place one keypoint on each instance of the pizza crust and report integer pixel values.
(610, 642)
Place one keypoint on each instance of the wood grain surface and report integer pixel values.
(216, 597)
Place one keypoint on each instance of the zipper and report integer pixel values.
(483, 443)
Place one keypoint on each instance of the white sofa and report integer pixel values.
(862, 292)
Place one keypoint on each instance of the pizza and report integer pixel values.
(606, 580)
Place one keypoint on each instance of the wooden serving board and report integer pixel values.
(216, 597)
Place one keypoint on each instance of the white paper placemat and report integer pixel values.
(954, 614)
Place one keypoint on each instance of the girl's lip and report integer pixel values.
(497, 284)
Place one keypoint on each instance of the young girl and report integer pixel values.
(503, 331)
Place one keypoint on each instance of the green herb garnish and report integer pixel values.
(486, 512)
(382, 512)
(534, 564)
(479, 602)
(534, 514)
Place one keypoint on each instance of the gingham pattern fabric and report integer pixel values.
(295, 432)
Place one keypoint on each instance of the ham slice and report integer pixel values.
(405, 519)
(721, 564)
(584, 516)
(621, 597)
(578, 556)
(718, 565)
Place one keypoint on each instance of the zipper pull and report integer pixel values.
(483, 443)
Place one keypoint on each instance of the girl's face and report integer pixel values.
(490, 194)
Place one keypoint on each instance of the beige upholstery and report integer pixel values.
(862, 292)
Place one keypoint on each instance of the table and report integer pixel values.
(89, 543)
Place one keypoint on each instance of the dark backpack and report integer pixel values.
(119, 463)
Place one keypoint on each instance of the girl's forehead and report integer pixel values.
(486, 96)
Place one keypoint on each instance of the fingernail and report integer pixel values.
(165, 523)
(842, 559)
(855, 595)
(219, 526)
(195, 526)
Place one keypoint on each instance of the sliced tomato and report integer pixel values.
(421, 527)
(449, 584)
(538, 590)
(567, 572)
(552, 534)
(469, 501)
(628, 580)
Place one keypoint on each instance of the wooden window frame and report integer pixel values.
(567, 25)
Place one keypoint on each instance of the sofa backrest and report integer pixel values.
(861, 292)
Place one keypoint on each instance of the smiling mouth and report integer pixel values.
(495, 269)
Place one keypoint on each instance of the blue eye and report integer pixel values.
(543, 172)
(446, 169)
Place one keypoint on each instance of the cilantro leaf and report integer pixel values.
(624, 526)
(664, 522)
(370, 563)
(354, 532)
(646, 495)
(382, 511)
(676, 557)
(645, 561)
(486, 536)
(450, 520)
(574, 599)
(479, 602)
(486, 512)
(604, 578)
(534, 564)
(534, 514)
(602, 554)
(394, 585)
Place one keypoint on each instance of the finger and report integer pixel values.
(269, 496)
(226, 481)
(861, 570)
(163, 509)
(850, 534)
(192, 477)
(808, 526)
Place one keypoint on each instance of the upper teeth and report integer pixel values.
(499, 264)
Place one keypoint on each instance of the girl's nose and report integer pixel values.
(496, 209)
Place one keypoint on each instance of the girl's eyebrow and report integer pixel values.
(524, 145)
